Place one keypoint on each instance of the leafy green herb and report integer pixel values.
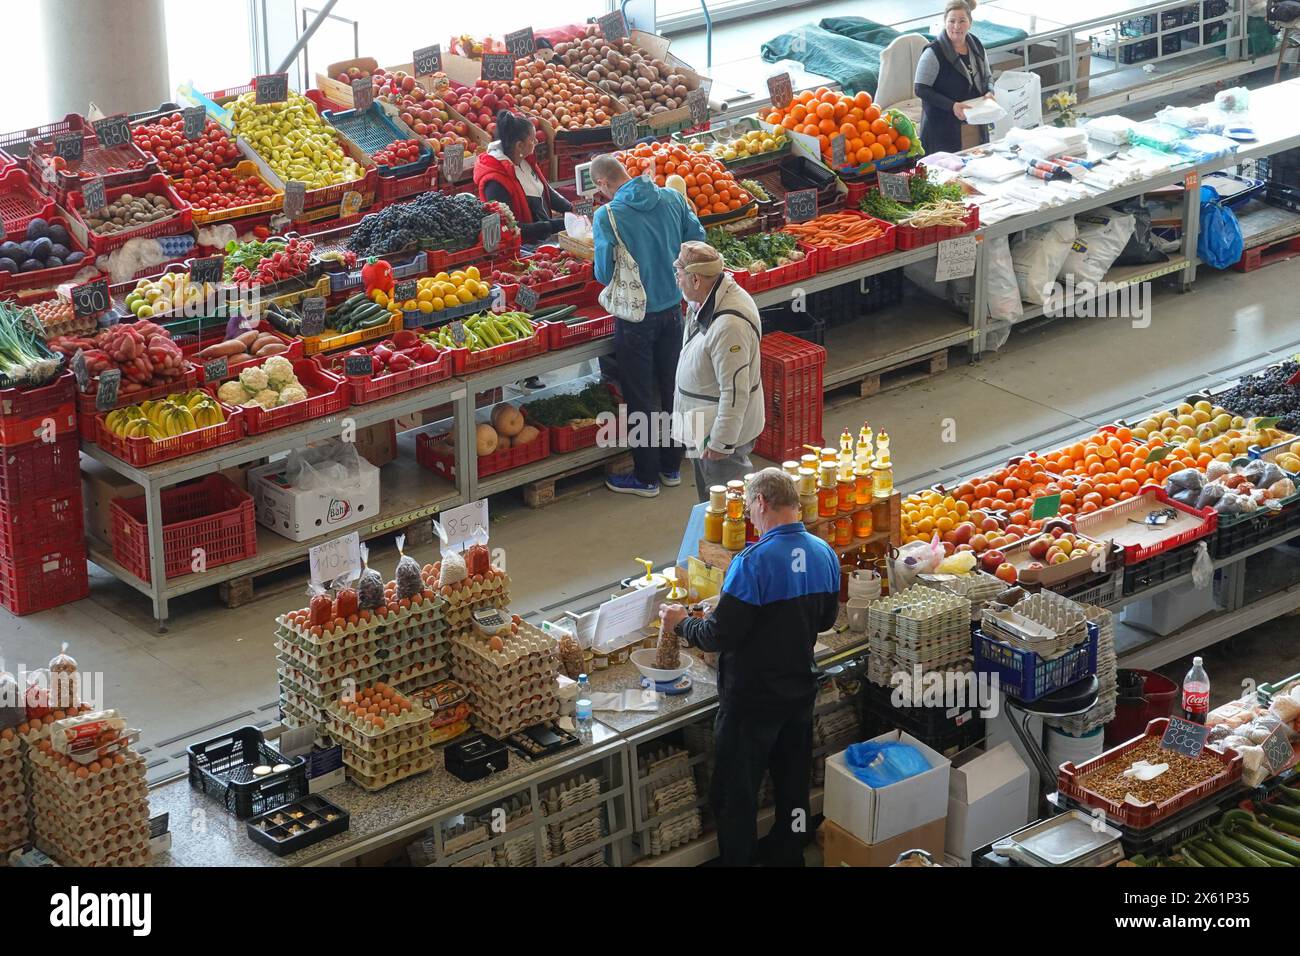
(741, 252)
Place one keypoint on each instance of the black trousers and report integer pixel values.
(748, 742)
(647, 354)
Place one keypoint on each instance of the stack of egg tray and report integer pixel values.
(520, 851)
(1063, 617)
(101, 819)
(1107, 680)
(466, 597)
(675, 790)
(510, 689)
(406, 648)
(923, 627)
(580, 829)
(380, 758)
(977, 587)
(13, 793)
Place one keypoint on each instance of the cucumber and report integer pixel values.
(1198, 853)
(1277, 823)
(1239, 852)
(1207, 849)
(1267, 850)
(374, 322)
(555, 313)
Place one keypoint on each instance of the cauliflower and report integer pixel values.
(232, 393)
(267, 398)
(279, 371)
(253, 379)
(293, 393)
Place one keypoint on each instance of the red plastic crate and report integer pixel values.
(390, 189)
(464, 361)
(49, 580)
(1147, 499)
(42, 524)
(443, 462)
(834, 258)
(1141, 817)
(142, 452)
(441, 260)
(909, 237)
(566, 439)
(86, 400)
(39, 469)
(95, 160)
(575, 280)
(292, 353)
(362, 389)
(327, 393)
(180, 221)
(213, 514)
(48, 278)
(791, 369)
(20, 203)
(19, 403)
(560, 335)
(752, 282)
(19, 143)
(24, 431)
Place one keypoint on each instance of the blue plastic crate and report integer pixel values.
(1236, 190)
(415, 319)
(373, 129)
(346, 279)
(1026, 676)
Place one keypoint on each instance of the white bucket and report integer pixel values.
(857, 610)
(864, 585)
(1062, 746)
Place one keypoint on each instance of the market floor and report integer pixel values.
(215, 667)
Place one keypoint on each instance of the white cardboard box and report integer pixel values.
(987, 795)
(300, 514)
(874, 816)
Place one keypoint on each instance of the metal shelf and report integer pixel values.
(849, 273)
(1116, 278)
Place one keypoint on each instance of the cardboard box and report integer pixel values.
(987, 796)
(299, 514)
(841, 848)
(238, 476)
(874, 816)
(377, 443)
(100, 486)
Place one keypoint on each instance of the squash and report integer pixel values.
(486, 438)
(507, 420)
(503, 441)
(526, 435)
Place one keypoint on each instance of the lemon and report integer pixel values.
(436, 303)
(426, 305)
(473, 273)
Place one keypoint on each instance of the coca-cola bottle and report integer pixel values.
(1196, 693)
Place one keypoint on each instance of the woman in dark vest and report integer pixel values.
(953, 68)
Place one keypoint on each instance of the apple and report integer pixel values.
(979, 542)
(948, 547)
(1057, 532)
(343, 78)
(354, 72)
(1006, 572)
(990, 560)
(1038, 548)
(989, 524)
(408, 84)
(1060, 558)
(965, 547)
(963, 532)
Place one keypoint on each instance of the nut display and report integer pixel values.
(645, 83)
(1183, 774)
(129, 212)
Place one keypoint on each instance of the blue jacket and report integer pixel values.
(777, 596)
(653, 223)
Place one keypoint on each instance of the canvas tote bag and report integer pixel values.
(624, 297)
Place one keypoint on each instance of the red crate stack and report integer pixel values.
(42, 540)
(792, 396)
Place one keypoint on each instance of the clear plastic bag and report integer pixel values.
(1202, 568)
(370, 584)
(329, 467)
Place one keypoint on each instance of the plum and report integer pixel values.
(41, 248)
(31, 265)
(8, 265)
(38, 228)
(11, 250)
(59, 235)
(59, 250)
(72, 258)
(53, 262)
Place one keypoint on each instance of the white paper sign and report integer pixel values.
(956, 259)
(621, 619)
(296, 741)
(336, 559)
(465, 525)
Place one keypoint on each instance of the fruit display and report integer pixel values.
(746, 145)
(244, 348)
(182, 158)
(143, 351)
(756, 252)
(926, 194)
(1205, 429)
(1058, 544)
(644, 83)
(128, 212)
(1268, 394)
(294, 141)
(220, 189)
(439, 292)
(1233, 489)
(545, 265)
(561, 98)
(400, 152)
(704, 181)
(425, 113)
(870, 134)
(269, 385)
(172, 293)
(484, 331)
(507, 430)
(264, 263)
(481, 102)
(469, 46)
(167, 418)
(404, 350)
(1290, 458)
(354, 73)
(45, 245)
(434, 220)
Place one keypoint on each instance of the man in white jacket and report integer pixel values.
(718, 406)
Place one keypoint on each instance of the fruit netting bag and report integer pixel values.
(1220, 243)
(881, 763)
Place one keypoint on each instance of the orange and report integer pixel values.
(733, 203)
(862, 100)
(660, 179)
(885, 139)
(903, 143)
(879, 126)
(799, 113)
(789, 122)
(719, 207)
(774, 117)
(827, 126)
(825, 111)
(841, 110)
(877, 151)
(855, 144)
(868, 139)
(829, 96)
(811, 130)
(862, 155)
(691, 181)
(872, 114)
(1130, 485)
(849, 131)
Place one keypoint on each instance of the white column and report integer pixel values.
(114, 53)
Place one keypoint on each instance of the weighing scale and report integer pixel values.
(673, 688)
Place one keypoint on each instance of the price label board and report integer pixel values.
(526, 298)
(405, 290)
(839, 151)
(697, 101)
(956, 259)
(521, 43)
(584, 208)
(465, 525)
(1277, 750)
(340, 558)
(70, 147)
(208, 269)
(453, 160)
(363, 93)
(1048, 506)
(497, 66)
(491, 231)
(613, 26)
(271, 88)
(91, 298)
(1185, 737)
(780, 90)
(350, 204)
(110, 380)
(216, 369)
(196, 121)
(801, 205)
(92, 194)
(622, 129)
(295, 197)
(1294, 379)
(427, 59)
(358, 365)
(113, 131)
(458, 331)
(313, 316)
(895, 186)
(80, 372)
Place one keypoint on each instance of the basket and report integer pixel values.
(563, 335)
(909, 237)
(1141, 817)
(23, 403)
(419, 319)
(577, 279)
(20, 203)
(371, 130)
(444, 260)
(86, 410)
(1156, 570)
(133, 164)
(363, 389)
(327, 394)
(32, 527)
(49, 278)
(39, 469)
(142, 452)
(464, 361)
(244, 170)
(222, 768)
(441, 460)
(791, 372)
(1150, 497)
(565, 438)
(1101, 594)
(50, 579)
(212, 514)
(180, 221)
(16, 430)
(1026, 676)
(18, 144)
(276, 838)
(753, 282)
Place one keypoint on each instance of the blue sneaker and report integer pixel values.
(670, 478)
(628, 485)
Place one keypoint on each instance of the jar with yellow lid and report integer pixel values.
(718, 497)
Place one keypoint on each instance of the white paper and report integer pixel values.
(296, 741)
(465, 525)
(623, 616)
(956, 259)
(336, 559)
(630, 699)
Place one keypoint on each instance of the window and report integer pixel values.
(208, 43)
(22, 50)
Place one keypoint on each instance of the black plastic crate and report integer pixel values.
(1163, 567)
(222, 768)
(946, 730)
(1237, 533)
(314, 820)
(804, 325)
(853, 300)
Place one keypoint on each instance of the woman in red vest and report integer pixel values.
(509, 173)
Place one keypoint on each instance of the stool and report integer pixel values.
(1070, 701)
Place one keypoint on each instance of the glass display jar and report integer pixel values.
(733, 533)
(863, 525)
(713, 525)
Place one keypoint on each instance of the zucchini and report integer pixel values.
(1239, 852)
(1284, 812)
(1246, 822)
(1207, 850)
(1277, 823)
(374, 322)
(555, 313)
(1267, 850)
(1186, 856)
(1198, 852)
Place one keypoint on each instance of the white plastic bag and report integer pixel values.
(915, 557)
(1037, 258)
(1001, 287)
(1202, 568)
(334, 466)
(1021, 95)
(1100, 237)
(1109, 129)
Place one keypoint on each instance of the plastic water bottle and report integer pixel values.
(582, 708)
(1196, 693)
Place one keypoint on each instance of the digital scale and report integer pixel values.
(672, 688)
(490, 621)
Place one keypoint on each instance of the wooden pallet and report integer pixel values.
(895, 376)
(1265, 255)
(576, 481)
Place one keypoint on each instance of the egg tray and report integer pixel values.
(13, 817)
(526, 683)
(329, 690)
(462, 836)
(96, 828)
(102, 797)
(10, 749)
(344, 665)
(374, 767)
(502, 713)
(78, 787)
(483, 860)
(322, 695)
(92, 810)
(521, 852)
(663, 759)
(350, 733)
(673, 797)
(11, 779)
(526, 642)
(468, 589)
(359, 656)
(671, 834)
(316, 820)
(127, 834)
(133, 853)
(434, 612)
(374, 784)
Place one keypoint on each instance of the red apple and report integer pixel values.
(989, 524)
(1034, 566)
(1007, 572)
(990, 560)
(1060, 558)
(343, 78)
(948, 547)
(1038, 548)
(354, 72)
(979, 542)
(964, 547)
(963, 532)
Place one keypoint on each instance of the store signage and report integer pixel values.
(406, 290)
(839, 150)
(801, 205)
(1185, 737)
(295, 197)
(613, 26)
(458, 331)
(358, 365)
(895, 186)
(491, 231)
(91, 298)
(453, 160)
(70, 147)
(80, 372)
(427, 59)
(216, 369)
(313, 316)
(363, 93)
(780, 90)
(271, 88)
(92, 194)
(622, 129)
(465, 525)
(109, 382)
(196, 121)
(1277, 750)
(526, 298)
(340, 558)
(521, 43)
(697, 101)
(497, 66)
(113, 131)
(208, 269)
(956, 259)
(1048, 506)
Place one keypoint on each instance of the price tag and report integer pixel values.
(350, 205)
(839, 149)
(271, 88)
(613, 26)
(313, 316)
(521, 43)
(491, 231)
(1048, 506)
(526, 298)
(697, 101)
(801, 205)
(1155, 454)
(92, 194)
(295, 197)
(458, 331)
(956, 259)
(453, 160)
(584, 208)
(91, 298)
(780, 90)
(497, 66)
(80, 372)
(208, 269)
(1277, 750)
(363, 93)
(622, 129)
(109, 382)
(895, 186)
(196, 121)
(1185, 737)
(70, 146)
(465, 525)
(4, 233)
(1294, 379)
(405, 290)
(336, 559)
(113, 131)
(358, 365)
(216, 369)
(427, 59)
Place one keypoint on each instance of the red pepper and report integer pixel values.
(405, 339)
(428, 352)
(400, 362)
(377, 274)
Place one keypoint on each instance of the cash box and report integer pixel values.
(475, 758)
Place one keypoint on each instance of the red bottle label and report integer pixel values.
(1196, 702)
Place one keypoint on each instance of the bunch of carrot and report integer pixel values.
(837, 229)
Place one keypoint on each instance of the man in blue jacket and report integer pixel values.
(651, 223)
(777, 596)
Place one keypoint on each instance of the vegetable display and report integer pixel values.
(269, 385)
(942, 198)
(869, 134)
(836, 230)
(398, 153)
(294, 141)
(755, 142)
(44, 246)
(244, 347)
(402, 351)
(544, 265)
(25, 360)
(706, 183)
(621, 70)
(435, 220)
(756, 252)
(220, 189)
(572, 410)
(439, 292)
(168, 418)
(127, 212)
(182, 158)
(264, 263)
(557, 96)
(1267, 837)
(484, 331)
(143, 351)
(358, 312)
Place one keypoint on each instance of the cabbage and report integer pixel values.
(232, 393)
(253, 379)
(279, 371)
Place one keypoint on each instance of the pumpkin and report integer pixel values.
(507, 420)
(486, 438)
(503, 441)
(526, 435)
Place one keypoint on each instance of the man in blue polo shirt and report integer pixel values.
(777, 596)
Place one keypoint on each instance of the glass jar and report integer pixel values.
(735, 504)
(862, 486)
(807, 481)
(736, 487)
(733, 533)
(810, 461)
(718, 498)
(713, 525)
(847, 495)
(826, 531)
(791, 468)
(882, 479)
(808, 508)
(828, 492)
(863, 526)
(843, 531)
(830, 455)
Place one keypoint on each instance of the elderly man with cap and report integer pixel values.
(718, 405)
